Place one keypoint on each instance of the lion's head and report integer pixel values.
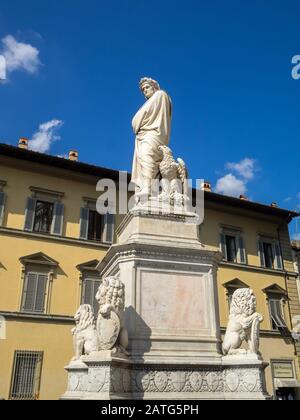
(111, 292)
(84, 317)
(243, 302)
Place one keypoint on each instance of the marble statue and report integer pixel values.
(244, 324)
(110, 325)
(108, 331)
(152, 127)
(174, 178)
(85, 336)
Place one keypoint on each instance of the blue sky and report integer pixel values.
(226, 65)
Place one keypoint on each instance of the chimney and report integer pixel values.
(206, 186)
(23, 143)
(73, 155)
(274, 204)
(243, 197)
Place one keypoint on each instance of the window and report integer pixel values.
(38, 273)
(89, 291)
(43, 217)
(276, 314)
(26, 377)
(95, 226)
(270, 254)
(34, 292)
(232, 247)
(276, 298)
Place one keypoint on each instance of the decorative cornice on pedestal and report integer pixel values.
(148, 251)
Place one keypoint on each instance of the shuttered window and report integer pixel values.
(96, 227)
(89, 291)
(44, 217)
(270, 254)
(34, 293)
(26, 377)
(276, 314)
(233, 248)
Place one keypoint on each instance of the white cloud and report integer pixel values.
(42, 140)
(298, 195)
(287, 199)
(19, 56)
(245, 168)
(231, 185)
(235, 182)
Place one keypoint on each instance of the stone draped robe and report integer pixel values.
(152, 126)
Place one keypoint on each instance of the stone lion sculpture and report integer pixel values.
(244, 324)
(110, 324)
(85, 336)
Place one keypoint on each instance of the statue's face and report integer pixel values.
(148, 90)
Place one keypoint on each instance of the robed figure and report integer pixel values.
(152, 127)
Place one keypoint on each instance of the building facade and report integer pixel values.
(52, 238)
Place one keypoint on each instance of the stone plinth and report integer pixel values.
(101, 376)
(171, 315)
(108, 377)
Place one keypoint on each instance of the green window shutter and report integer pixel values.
(261, 254)
(84, 223)
(242, 250)
(29, 292)
(88, 290)
(30, 214)
(95, 303)
(278, 257)
(223, 245)
(109, 227)
(2, 206)
(58, 219)
(40, 293)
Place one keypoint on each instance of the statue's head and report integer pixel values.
(149, 87)
(243, 302)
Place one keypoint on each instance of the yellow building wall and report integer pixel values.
(251, 227)
(54, 339)
(66, 290)
(18, 186)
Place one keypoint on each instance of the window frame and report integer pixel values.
(278, 262)
(84, 222)
(277, 320)
(36, 379)
(50, 203)
(46, 292)
(241, 254)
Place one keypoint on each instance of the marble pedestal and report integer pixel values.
(171, 314)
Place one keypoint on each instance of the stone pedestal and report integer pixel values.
(101, 376)
(171, 314)
(170, 288)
